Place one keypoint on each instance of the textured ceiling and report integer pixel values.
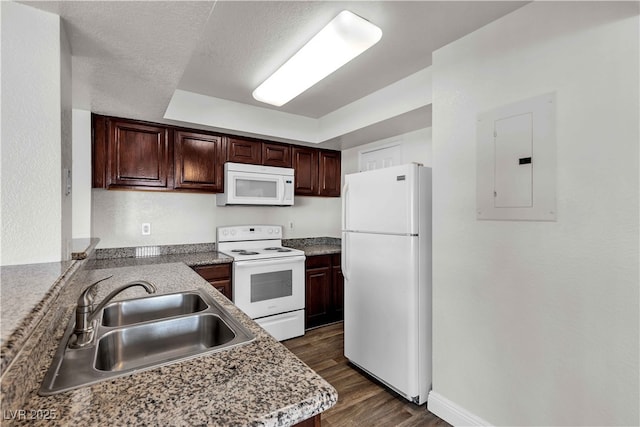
(244, 42)
(130, 57)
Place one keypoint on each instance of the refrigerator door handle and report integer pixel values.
(343, 257)
(345, 199)
(345, 236)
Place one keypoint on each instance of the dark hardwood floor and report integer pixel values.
(361, 400)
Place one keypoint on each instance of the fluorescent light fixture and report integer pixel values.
(341, 40)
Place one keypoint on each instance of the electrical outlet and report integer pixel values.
(146, 229)
(290, 225)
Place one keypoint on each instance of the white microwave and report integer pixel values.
(246, 184)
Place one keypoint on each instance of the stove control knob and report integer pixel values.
(271, 231)
(233, 232)
(225, 232)
(277, 230)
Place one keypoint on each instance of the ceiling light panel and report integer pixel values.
(341, 40)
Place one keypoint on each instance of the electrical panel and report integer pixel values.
(516, 161)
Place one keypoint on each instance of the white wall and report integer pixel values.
(66, 142)
(32, 229)
(415, 147)
(81, 174)
(537, 323)
(192, 218)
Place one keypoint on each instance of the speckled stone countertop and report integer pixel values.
(315, 245)
(257, 384)
(26, 293)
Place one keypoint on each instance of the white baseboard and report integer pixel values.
(451, 412)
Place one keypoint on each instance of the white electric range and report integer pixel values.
(268, 280)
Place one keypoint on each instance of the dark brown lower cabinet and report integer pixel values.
(219, 275)
(314, 421)
(324, 300)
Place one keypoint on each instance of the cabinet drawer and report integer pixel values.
(318, 261)
(214, 272)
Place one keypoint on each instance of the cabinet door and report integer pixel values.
(329, 173)
(276, 155)
(337, 289)
(99, 140)
(305, 163)
(244, 151)
(223, 286)
(218, 275)
(318, 297)
(138, 155)
(199, 161)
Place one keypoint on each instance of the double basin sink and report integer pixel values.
(141, 334)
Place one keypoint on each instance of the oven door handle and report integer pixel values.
(268, 262)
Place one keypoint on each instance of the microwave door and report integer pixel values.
(252, 189)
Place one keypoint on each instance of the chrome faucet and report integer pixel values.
(85, 313)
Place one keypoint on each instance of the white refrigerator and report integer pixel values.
(386, 263)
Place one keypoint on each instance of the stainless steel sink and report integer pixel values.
(153, 343)
(152, 308)
(141, 334)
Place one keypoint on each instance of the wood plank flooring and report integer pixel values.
(361, 400)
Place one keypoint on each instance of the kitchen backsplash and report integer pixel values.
(177, 218)
(159, 250)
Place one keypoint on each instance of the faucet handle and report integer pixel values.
(88, 294)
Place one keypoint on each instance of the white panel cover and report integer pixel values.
(381, 307)
(382, 200)
(516, 161)
(513, 176)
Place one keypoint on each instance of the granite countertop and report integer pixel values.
(321, 250)
(257, 384)
(315, 245)
(37, 278)
(22, 311)
(27, 291)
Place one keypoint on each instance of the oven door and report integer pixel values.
(269, 286)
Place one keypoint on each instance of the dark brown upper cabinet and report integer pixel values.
(305, 163)
(138, 155)
(198, 161)
(317, 172)
(244, 151)
(276, 155)
(99, 138)
(329, 174)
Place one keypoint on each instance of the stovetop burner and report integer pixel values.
(277, 249)
(244, 252)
